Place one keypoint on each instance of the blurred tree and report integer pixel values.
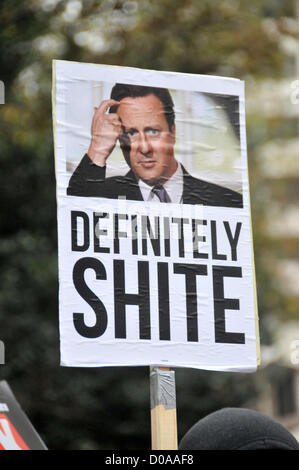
(103, 408)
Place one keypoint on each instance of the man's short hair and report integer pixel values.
(122, 90)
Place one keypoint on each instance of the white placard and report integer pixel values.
(144, 282)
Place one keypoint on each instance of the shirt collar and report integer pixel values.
(174, 187)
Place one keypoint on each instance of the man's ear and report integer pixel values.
(173, 132)
(125, 147)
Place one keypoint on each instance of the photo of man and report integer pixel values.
(142, 119)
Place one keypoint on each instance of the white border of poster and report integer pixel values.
(188, 298)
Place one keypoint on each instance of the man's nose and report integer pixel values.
(144, 143)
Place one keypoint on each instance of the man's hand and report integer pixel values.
(105, 130)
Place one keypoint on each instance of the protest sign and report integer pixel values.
(154, 229)
(16, 431)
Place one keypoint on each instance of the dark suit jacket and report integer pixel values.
(89, 180)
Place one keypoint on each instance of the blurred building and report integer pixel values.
(278, 377)
(277, 102)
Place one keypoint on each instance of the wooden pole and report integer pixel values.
(163, 409)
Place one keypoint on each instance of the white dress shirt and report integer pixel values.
(174, 188)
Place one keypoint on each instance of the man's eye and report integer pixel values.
(153, 132)
(131, 133)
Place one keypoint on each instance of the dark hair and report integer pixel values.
(121, 90)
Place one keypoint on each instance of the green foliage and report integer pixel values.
(101, 408)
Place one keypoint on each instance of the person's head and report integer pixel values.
(238, 429)
(147, 116)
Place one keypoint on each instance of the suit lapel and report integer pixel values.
(131, 187)
(192, 189)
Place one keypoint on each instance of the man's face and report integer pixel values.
(147, 141)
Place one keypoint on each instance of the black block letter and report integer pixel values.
(100, 312)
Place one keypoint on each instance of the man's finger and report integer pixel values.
(113, 118)
(107, 104)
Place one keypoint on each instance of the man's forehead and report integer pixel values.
(148, 105)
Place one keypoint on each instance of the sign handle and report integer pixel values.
(163, 409)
